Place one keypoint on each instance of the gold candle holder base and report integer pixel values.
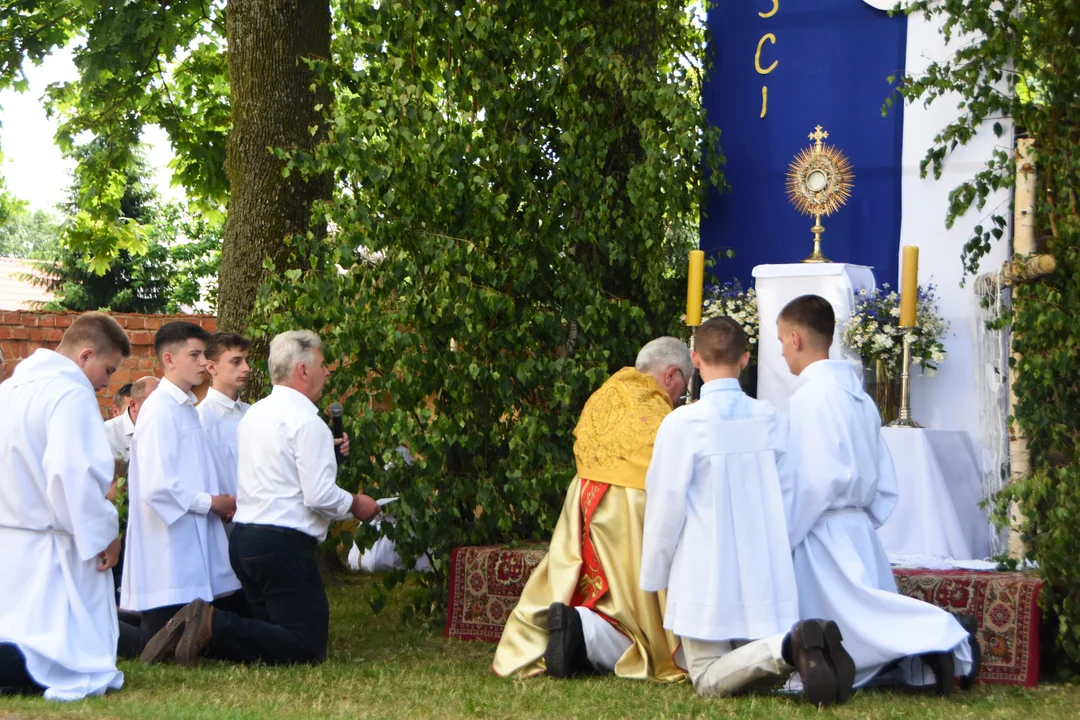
(904, 419)
(688, 396)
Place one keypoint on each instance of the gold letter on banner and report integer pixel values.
(764, 100)
(757, 56)
(775, 7)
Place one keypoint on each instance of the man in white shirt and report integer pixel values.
(288, 498)
(221, 409)
(121, 428)
(176, 549)
(841, 487)
(716, 540)
(120, 400)
(58, 628)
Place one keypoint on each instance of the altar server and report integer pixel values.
(176, 547)
(58, 627)
(840, 488)
(716, 540)
(221, 409)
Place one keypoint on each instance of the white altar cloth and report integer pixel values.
(776, 286)
(939, 476)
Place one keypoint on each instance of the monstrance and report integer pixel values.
(818, 184)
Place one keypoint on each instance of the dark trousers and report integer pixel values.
(290, 615)
(133, 638)
(13, 675)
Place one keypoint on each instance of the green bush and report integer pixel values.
(518, 186)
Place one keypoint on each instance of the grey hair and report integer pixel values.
(288, 350)
(662, 353)
(141, 387)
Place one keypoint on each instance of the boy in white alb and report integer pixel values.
(58, 624)
(716, 539)
(841, 487)
(176, 547)
(222, 409)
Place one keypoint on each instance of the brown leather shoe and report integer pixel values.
(198, 630)
(163, 645)
(809, 655)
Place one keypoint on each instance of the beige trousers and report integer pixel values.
(725, 668)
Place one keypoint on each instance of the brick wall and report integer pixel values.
(23, 332)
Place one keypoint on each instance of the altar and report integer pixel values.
(939, 475)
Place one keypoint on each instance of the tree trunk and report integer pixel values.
(272, 107)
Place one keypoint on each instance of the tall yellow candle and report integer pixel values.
(694, 283)
(909, 286)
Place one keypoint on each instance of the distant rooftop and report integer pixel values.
(16, 291)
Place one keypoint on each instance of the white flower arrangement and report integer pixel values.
(741, 306)
(874, 331)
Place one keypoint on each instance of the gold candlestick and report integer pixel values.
(688, 396)
(904, 420)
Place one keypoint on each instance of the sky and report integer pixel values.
(33, 168)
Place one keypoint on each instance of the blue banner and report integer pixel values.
(781, 68)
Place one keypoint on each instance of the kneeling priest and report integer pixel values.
(582, 610)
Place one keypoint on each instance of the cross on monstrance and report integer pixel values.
(818, 184)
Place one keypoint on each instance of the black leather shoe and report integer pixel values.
(809, 656)
(969, 623)
(944, 667)
(842, 664)
(565, 655)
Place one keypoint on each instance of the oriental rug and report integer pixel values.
(485, 583)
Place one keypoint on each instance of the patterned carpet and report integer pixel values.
(485, 583)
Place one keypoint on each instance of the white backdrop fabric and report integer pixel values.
(947, 400)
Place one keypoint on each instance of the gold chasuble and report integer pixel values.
(594, 559)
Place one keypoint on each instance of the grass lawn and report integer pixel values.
(379, 667)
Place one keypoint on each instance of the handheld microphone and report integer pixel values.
(335, 419)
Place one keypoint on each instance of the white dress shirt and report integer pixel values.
(287, 468)
(220, 416)
(176, 549)
(119, 431)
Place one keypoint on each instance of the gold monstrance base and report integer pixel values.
(816, 256)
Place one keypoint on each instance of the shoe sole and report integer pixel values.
(164, 643)
(186, 653)
(843, 665)
(554, 657)
(818, 678)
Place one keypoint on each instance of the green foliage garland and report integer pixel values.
(518, 183)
